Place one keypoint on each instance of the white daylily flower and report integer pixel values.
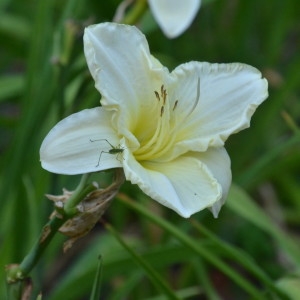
(174, 16)
(168, 129)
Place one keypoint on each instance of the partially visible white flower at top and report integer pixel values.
(170, 127)
(174, 16)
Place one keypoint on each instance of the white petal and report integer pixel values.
(68, 149)
(124, 71)
(185, 184)
(228, 96)
(218, 162)
(174, 16)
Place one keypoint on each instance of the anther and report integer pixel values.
(162, 111)
(157, 95)
(162, 88)
(175, 105)
(164, 96)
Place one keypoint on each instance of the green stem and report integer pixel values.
(135, 13)
(78, 194)
(21, 271)
(48, 232)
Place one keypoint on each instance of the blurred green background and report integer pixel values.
(248, 252)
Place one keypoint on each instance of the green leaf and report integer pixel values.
(153, 275)
(11, 86)
(95, 295)
(291, 285)
(193, 245)
(14, 26)
(242, 204)
(240, 257)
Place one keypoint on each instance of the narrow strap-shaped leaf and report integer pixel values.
(156, 279)
(194, 246)
(95, 294)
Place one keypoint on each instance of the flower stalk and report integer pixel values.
(71, 211)
(20, 272)
(135, 13)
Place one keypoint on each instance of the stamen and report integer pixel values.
(161, 141)
(165, 133)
